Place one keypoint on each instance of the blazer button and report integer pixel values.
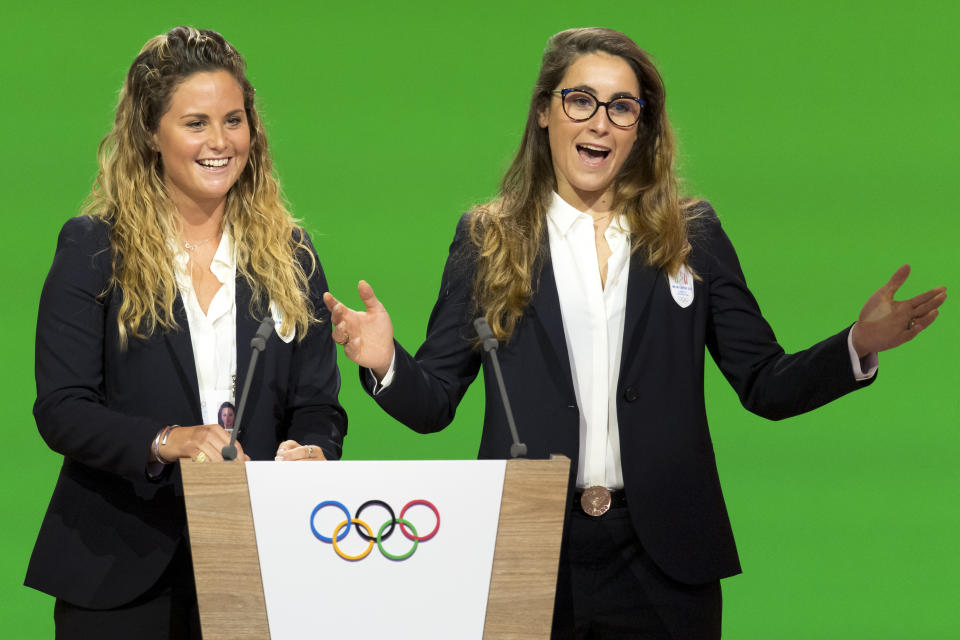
(630, 394)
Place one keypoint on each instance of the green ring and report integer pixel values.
(387, 554)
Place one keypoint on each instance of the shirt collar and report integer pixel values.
(562, 216)
(225, 259)
(620, 224)
(223, 265)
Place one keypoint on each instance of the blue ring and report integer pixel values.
(330, 503)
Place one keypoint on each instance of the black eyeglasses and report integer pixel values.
(580, 105)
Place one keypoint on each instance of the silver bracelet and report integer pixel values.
(155, 446)
(161, 439)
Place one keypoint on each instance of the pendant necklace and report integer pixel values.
(192, 246)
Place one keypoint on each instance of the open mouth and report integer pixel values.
(592, 154)
(213, 163)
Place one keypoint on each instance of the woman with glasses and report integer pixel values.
(145, 323)
(606, 289)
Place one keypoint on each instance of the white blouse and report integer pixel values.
(593, 319)
(213, 334)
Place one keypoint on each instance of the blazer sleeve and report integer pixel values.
(427, 387)
(768, 381)
(70, 408)
(316, 415)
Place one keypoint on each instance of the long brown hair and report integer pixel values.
(509, 231)
(130, 195)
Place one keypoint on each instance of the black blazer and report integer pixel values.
(669, 471)
(110, 531)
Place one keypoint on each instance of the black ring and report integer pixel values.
(393, 519)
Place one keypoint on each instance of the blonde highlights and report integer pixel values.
(509, 232)
(129, 194)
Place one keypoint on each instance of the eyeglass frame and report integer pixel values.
(599, 103)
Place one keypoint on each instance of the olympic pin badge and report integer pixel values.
(681, 287)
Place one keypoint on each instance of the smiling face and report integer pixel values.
(203, 140)
(588, 155)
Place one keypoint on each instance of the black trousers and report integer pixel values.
(608, 587)
(167, 611)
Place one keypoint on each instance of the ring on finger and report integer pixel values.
(910, 324)
(309, 451)
(201, 457)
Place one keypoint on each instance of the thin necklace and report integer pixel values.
(192, 246)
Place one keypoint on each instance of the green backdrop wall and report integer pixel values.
(824, 132)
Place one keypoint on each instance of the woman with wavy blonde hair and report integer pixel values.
(144, 325)
(606, 289)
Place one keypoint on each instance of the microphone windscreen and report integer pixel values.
(266, 327)
(483, 329)
(485, 333)
(259, 341)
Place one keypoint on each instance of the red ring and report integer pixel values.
(403, 527)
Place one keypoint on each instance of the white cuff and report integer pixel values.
(862, 369)
(387, 378)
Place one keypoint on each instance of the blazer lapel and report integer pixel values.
(640, 286)
(545, 303)
(246, 328)
(181, 351)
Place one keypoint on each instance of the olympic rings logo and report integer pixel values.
(385, 531)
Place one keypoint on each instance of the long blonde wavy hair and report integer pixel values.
(509, 231)
(129, 194)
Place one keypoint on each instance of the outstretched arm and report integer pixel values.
(424, 390)
(366, 336)
(886, 323)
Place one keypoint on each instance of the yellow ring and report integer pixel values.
(201, 457)
(363, 554)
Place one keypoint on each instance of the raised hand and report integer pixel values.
(886, 323)
(366, 336)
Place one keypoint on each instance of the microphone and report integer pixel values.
(257, 344)
(490, 345)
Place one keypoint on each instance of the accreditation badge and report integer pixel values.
(681, 287)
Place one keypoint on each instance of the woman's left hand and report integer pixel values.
(293, 450)
(886, 323)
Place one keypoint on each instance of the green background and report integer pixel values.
(824, 133)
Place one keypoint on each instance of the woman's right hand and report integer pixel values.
(366, 336)
(188, 442)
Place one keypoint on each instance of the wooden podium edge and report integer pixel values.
(527, 552)
(226, 564)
